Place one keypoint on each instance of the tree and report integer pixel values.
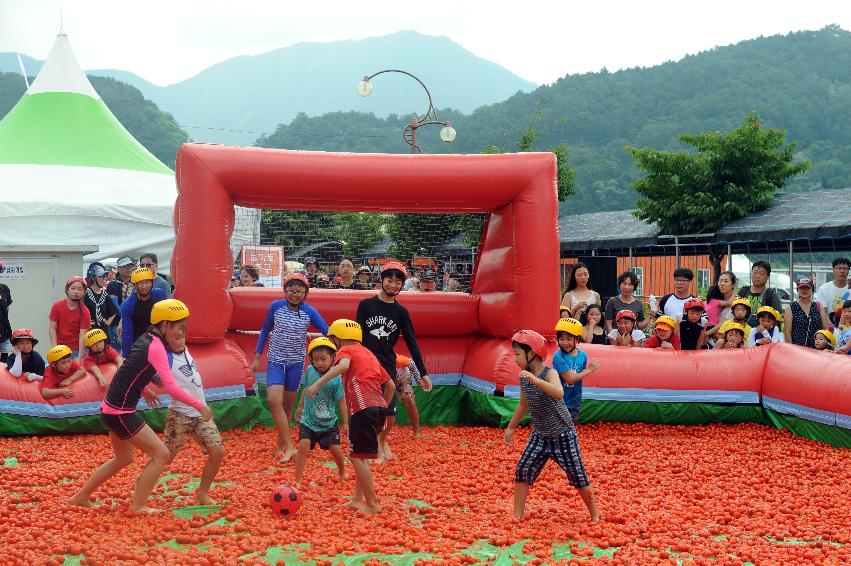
(726, 177)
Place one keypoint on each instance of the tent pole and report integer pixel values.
(791, 270)
(630, 260)
(677, 250)
(729, 257)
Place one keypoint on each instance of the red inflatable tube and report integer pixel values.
(86, 389)
(433, 314)
(808, 378)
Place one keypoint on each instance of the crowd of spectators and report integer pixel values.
(729, 317)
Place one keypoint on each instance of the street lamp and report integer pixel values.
(409, 134)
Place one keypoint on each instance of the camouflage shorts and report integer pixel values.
(178, 425)
(404, 389)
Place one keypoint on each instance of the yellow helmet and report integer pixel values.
(56, 353)
(320, 342)
(571, 326)
(141, 274)
(169, 309)
(346, 329)
(769, 310)
(828, 335)
(95, 336)
(667, 321)
(563, 308)
(742, 301)
(730, 325)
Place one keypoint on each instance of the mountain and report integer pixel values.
(800, 82)
(153, 128)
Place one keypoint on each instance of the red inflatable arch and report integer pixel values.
(516, 283)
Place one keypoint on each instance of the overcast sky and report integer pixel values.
(167, 41)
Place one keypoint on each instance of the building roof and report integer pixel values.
(598, 230)
(795, 216)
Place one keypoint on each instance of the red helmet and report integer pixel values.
(296, 277)
(394, 266)
(694, 303)
(532, 339)
(23, 333)
(626, 313)
(74, 279)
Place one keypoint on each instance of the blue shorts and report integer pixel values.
(288, 375)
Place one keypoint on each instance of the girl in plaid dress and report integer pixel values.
(553, 434)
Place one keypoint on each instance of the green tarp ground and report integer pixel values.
(457, 405)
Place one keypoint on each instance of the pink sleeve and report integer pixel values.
(713, 311)
(159, 361)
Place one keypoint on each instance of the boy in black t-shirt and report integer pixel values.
(382, 320)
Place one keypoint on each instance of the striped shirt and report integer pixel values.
(288, 328)
(550, 416)
(363, 380)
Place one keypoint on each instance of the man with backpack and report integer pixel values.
(758, 293)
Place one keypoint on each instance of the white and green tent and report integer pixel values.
(70, 173)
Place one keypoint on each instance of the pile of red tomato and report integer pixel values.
(718, 494)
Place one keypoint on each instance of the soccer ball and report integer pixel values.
(285, 500)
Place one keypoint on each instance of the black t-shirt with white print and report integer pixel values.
(382, 323)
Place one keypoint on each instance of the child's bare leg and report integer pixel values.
(521, 492)
(384, 453)
(365, 486)
(357, 497)
(214, 461)
(587, 494)
(148, 441)
(123, 458)
(284, 450)
(337, 453)
(289, 403)
(300, 460)
(414, 414)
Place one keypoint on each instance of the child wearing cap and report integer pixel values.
(553, 434)
(99, 353)
(625, 333)
(804, 316)
(824, 340)
(61, 372)
(766, 330)
(69, 317)
(316, 416)
(664, 334)
(24, 361)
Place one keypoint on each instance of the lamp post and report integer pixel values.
(409, 134)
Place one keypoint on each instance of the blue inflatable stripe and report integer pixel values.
(479, 385)
(803, 412)
(93, 407)
(670, 395)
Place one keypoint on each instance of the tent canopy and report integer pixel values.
(73, 175)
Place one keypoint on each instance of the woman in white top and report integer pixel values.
(579, 293)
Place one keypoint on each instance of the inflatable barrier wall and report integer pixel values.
(463, 337)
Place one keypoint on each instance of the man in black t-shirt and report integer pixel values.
(383, 319)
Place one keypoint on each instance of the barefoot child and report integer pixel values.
(24, 361)
(553, 434)
(62, 371)
(183, 419)
(287, 321)
(405, 377)
(316, 416)
(664, 334)
(571, 364)
(146, 363)
(363, 378)
(100, 352)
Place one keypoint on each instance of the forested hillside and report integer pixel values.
(800, 82)
(155, 129)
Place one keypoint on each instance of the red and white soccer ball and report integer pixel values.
(285, 500)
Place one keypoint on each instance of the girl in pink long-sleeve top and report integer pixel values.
(147, 363)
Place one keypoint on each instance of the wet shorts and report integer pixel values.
(364, 427)
(178, 426)
(125, 425)
(564, 449)
(404, 388)
(325, 439)
(288, 375)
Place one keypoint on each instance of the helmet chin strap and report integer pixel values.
(528, 361)
(389, 293)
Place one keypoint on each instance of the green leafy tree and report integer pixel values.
(295, 229)
(726, 177)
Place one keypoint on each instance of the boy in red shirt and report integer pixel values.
(363, 377)
(70, 319)
(99, 353)
(665, 335)
(61, 372)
